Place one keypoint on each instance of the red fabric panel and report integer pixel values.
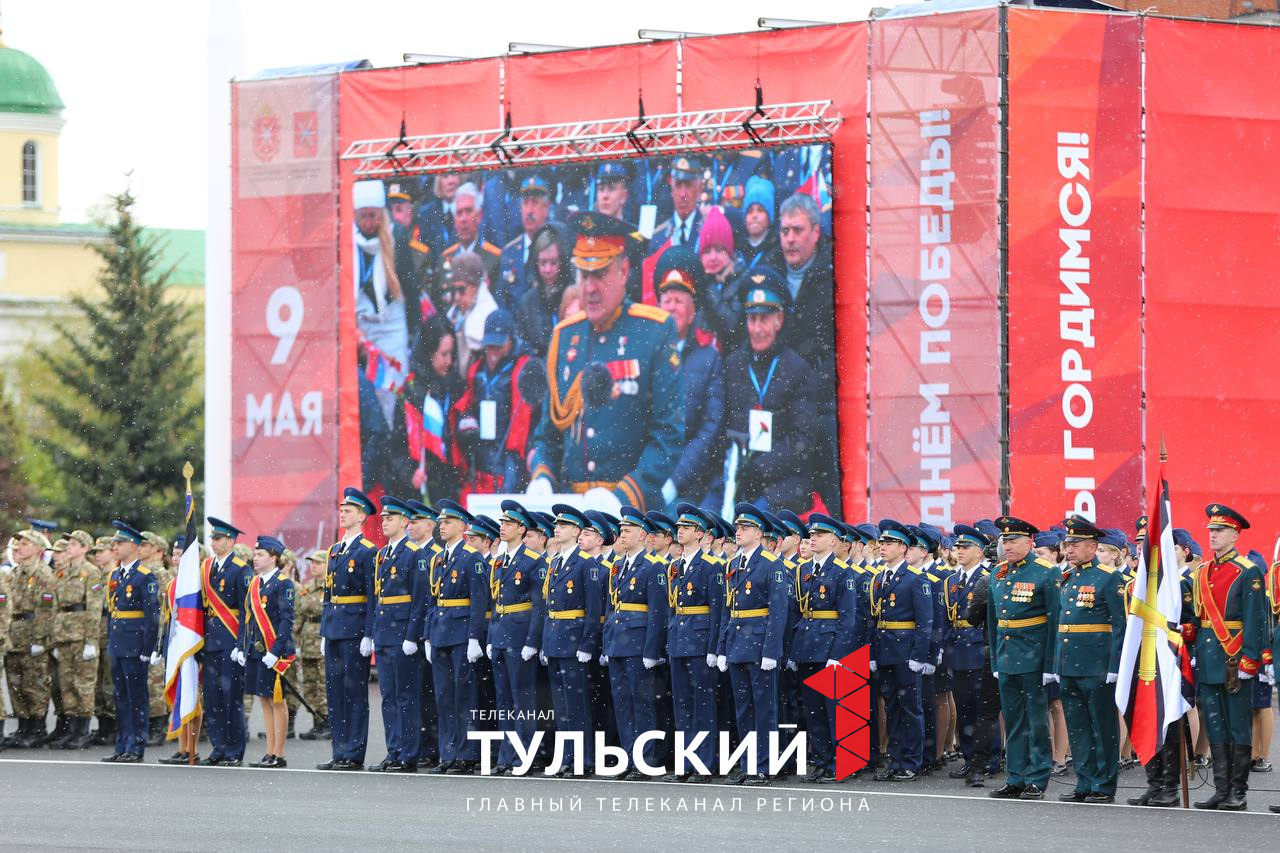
(599, 83)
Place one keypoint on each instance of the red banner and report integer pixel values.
(935, 277)
(284, 364)
(1213, 215)
(1075, 396)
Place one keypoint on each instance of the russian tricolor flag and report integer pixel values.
(186, 633)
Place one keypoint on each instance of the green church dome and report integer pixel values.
(25, 87)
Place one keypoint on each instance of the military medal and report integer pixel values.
(453, 575)
(893, 599)
(748, 587)
(518, 576)
(569, 586)
(632, 585)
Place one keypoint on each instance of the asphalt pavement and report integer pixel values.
(58, 800)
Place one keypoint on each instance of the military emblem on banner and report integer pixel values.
(266, 134)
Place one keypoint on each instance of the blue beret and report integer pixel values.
(514, 511)
(613, 170)
(420, 510)
(794, 526)
(967, 535)
(661, 522)
(567, 514)
(1258, 560)
(745, 513)
(988, 528)
(1047, 540)
(271, 545)
(42, 525)
(869, 531)
(126, 533)
(1114, 537)
(180, 542)
(689, 515)
(392, 505)
(821, 522)
(351, 496)
(452, 509)
(223, 528)
(893, 529)
(1183, 537)
(534, 184)
(634, 517)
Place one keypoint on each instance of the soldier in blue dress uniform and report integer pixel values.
(696, 597)
(635, 632)
(921, 557)
(1022, 617)
(346, 632)
(901, 602)
(222, 679)
(571, 635)
(515, 630)
(752, 634)
(597, 540)
(453, 630)
(401, 572)
(133, 627)
(1091, 624)
(614, 417)
(965, 646)
(828, 630)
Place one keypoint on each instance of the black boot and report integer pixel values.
(1220, 761)
(106, 733)
(12, 738)
(80, 737)
(30, 732)
(1170, 778)
(1241, 760)
(62, 732)
(155, 731)
(1155, 773)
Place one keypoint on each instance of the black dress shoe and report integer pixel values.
(428, 763)
(959, 772)
(828, 777)
(380, 767)
(347, 764)
(405, 767)
(903, 775)
(884, 775)
(503, 770)
(462, 768)
(278, 762)
(110, 759)
(1098, 798)
(1031, 792)
(676, 777)
(1008, 792)
(441, 768)
(128, 758)
(698, 779)
(230, 762)
(211, 761)
(1073, 797)
(264, 761)
(177, 758)
(328, 765)
(813, 775)
(1274, 809)
(634, 776)
(975, 780)
(757, 780)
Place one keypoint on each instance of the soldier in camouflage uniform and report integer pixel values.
(30, 633)
(6, 619)
(151, 554)
(310, 606)
(104, 700)
(59, 562)
(82, 594)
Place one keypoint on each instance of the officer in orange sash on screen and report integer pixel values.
(346, 633)
(613, 422)
(225, 583)
(751, 636)
(1231, 648)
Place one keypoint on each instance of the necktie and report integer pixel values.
(684, 233)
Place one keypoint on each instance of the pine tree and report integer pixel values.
(127, 409)
(15, 496)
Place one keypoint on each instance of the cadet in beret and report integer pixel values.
(614, 418)
(1091, 625)
(346, 633)
(134, 602)
(1231, 647)
(1021, 631)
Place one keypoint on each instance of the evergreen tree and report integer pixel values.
(15, 496)
(127, 409)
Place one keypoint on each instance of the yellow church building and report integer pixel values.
(44, 260)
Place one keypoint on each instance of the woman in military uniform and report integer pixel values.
(266, 644)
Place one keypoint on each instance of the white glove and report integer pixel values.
(768, 664)
(938, 662)
(722, 663)
(145, 658)
(649, 663)
(604, 660)
(1112, 677)
(528, 653)
(668, 491)
(366, 646)
(1048, 678)
(54, 651)
(322, 647)
(791, 665)
(995, 674)
(1269, 674)
(832, 662)
(711, 661)
(37, 650)
(585, 657)
(474, 652)
(409, 647)
(542, 658)
(90, 651)
(237, 655)
(540, 488)
(915, 666)
(156, 658)
(602, 499)
(928, 669)
(1244, 676)
(872, 666)
(488, 651)
(269, 660)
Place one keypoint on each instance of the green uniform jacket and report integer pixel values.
(1025, 590)
(1091, 622)
(1246, 614)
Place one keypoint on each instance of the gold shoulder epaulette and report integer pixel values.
(469, 549)
(571, 320)
(368, 543)
(143, 570)
(584, 555)
(770, 556)
(1111, 570)
(531, 554)
(648, 312)
(412, 546)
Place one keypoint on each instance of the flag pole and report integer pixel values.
(193, 727)
(1182, 721)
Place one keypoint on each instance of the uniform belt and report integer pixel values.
(909, 625)
(627, 607)
(694, 610)
(824, 614)
(1024, 623)
(130, 614)
(451, 602)
(1204, 623)
(348, 599)
(22, 617)
(522, 607)
(400, 599)
(72, 608)
(1084, 629)
(566, 614)
(749, 614)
